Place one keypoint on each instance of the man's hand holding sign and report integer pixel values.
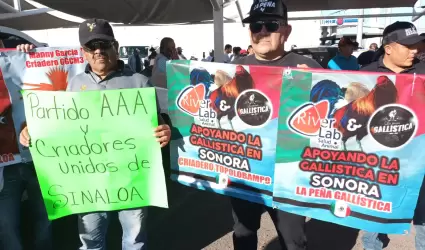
(162, 133)
(79, 138)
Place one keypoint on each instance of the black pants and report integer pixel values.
(247, 216)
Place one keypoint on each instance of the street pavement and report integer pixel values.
(202, 220)
(321, 236)
(199, 220)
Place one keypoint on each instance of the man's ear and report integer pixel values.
(287, 32)
(116, 45)
(388, 49)
(84, 53)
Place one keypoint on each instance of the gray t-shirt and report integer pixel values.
(122, 78)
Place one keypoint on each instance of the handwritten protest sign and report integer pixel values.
(338, 146)
(95, 150)
(42, 69)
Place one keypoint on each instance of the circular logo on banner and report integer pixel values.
(393, 125)
(253, 108)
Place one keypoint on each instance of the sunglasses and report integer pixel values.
(102, 45)
(271, 26)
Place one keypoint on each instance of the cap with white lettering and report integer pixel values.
(262, 10)
(403, 33)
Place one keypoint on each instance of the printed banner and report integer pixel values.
(86, 160)
(44, 69)
(227, 121)
(349, 148)
(335, 146)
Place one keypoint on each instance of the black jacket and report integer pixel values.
(418, 67)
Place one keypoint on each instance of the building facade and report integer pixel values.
(372, 27)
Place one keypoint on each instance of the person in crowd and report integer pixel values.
(180, 53)
(152, 57)
(149, 62)
(14, 181)
(236, 53)
(344, 60)
(228, 53)
(366, 57)
(400, 44)
(244, 52)
(167, 51)
(250, 50)
(210, 57)
(135, 62)
(268, 31)
(105, 71)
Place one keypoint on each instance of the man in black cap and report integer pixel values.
(397, 54)
(269, 30)
(400, 44)
(105, 71)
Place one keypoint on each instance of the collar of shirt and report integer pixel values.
(340, 62)
(120, 68)
(342, 57)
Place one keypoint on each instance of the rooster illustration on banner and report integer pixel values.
(350, 108)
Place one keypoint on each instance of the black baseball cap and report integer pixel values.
(403, 33)
(263, 10)
(95, 29)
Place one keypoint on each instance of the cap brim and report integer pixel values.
(263, 17)
(412, 40)
(97, 37)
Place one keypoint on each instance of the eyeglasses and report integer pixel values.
(102, 45)
(271, 26)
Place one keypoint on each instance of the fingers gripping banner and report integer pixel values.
(340, 147)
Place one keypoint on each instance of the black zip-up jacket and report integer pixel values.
(418, 67)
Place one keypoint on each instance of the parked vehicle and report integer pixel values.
(126, 51)
(12, 38)
(322, 54)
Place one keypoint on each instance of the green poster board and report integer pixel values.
(96, 150)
